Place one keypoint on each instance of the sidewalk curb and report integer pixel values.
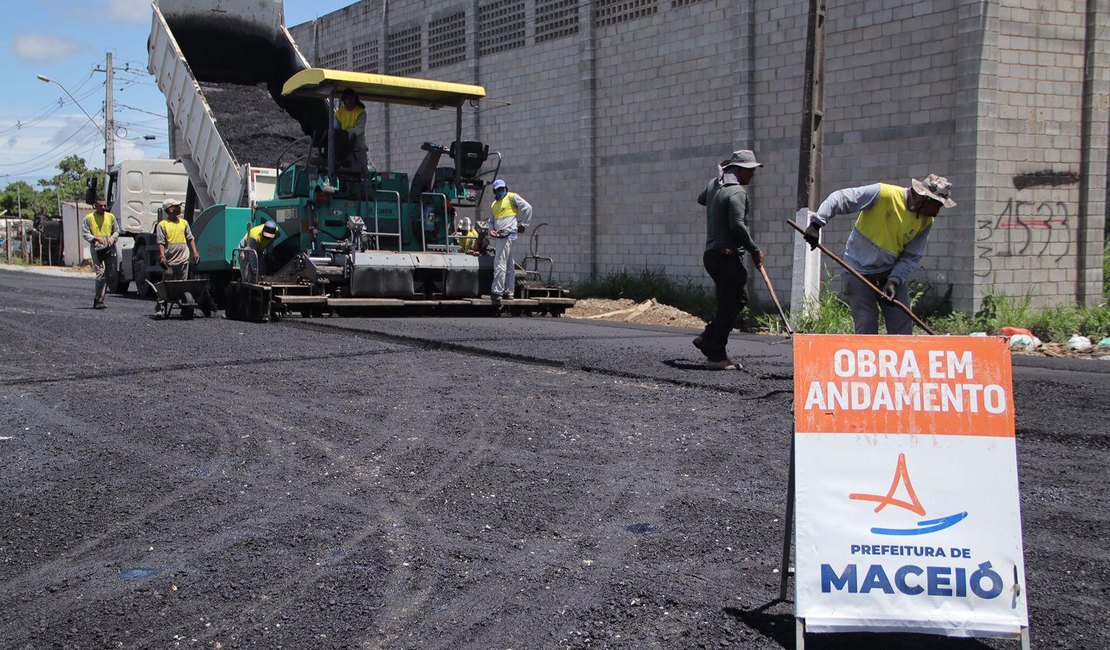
(53, 271)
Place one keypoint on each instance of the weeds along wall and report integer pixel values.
(619, 110)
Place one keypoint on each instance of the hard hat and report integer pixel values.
(464, 223)
(499, 185)
(269, 230)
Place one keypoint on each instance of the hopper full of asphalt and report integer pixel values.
(442, 483)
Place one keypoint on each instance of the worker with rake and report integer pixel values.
(727, 206)
(885, 246)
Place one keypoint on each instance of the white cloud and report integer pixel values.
(44, 48)
(132, 11)
(127, 150)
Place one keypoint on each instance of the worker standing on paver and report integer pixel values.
(351, 118)
(727, 207)
(254, 250)
(511, 216)
(175, 243)
(101, 231)
(885, 246)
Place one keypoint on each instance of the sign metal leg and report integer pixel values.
(788, 529)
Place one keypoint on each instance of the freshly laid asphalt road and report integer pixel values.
(444, 483)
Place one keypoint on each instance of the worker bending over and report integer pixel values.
(175, 242)
(350, 117)
(511, 216)
(885, 246)
(101, 231)
(254, 250)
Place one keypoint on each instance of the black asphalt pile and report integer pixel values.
(254, 127)
(332, 483)
(236, 56)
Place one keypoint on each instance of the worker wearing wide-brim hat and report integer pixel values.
(886, 245)
(727, 238)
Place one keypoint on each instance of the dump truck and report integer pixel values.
(350, 238)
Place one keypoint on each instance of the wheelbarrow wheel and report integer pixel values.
(207, 304)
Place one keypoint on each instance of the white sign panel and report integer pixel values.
(908, 517)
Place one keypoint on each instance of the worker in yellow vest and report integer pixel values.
(101, 231)
(885, 246)
(175, 242)
(511, 215)
(350, 118)
(254, 250)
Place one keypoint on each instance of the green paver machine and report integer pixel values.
(351, 239)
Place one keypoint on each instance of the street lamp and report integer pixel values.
(107, 146)
(45, 79)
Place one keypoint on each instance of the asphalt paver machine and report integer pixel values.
(352, 239)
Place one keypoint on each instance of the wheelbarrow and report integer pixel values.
(186, 295)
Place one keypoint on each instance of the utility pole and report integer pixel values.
(806, 280)
(109, 123)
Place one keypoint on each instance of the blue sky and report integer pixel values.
(66, 40)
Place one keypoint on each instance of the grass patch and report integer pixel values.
(832, 315)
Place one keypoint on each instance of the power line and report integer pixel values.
(47, 153)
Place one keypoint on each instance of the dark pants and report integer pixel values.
(726, 267)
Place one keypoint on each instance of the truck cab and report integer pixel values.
(136, 189)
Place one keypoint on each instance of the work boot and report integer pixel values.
(700, 343)
(507, 296)
(99, 305)
(722, 364)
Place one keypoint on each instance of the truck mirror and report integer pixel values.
(90, 190)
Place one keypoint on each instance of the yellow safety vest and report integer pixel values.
(504, 208)
(175, 232)
(256, 234)
(888, 223)
(348, 118)
(468, 241)
(100, 225)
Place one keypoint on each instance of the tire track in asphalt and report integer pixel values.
(425, 343)
(402, 517)
(67, 560)
(196, 365)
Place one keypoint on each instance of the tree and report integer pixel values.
(70, 182)
(19, 194)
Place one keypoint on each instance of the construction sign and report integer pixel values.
(907, 506)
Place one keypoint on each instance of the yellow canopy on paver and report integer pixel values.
(321, 82)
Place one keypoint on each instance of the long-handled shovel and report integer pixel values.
(859, 276)
(775, 297)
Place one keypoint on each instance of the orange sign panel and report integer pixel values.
(901, 384)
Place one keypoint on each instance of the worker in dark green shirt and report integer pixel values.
(727, 237)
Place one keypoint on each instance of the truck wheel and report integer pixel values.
(117, 283)
(139, 269)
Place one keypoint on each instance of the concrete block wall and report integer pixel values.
(614, 126)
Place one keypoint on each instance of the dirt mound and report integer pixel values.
(648, 312)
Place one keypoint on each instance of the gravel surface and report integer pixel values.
(442, 483)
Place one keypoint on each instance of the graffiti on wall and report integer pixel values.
(1024, 226)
